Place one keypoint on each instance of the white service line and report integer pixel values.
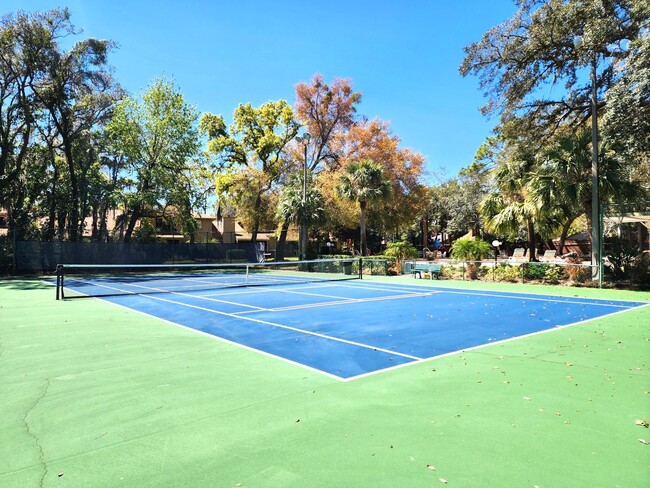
(481, 346)
(234, 343)
(287, 327)
(128, 291)
(342, 302)
(289, 288)
(526, 296)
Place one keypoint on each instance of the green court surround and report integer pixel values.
(94, 395)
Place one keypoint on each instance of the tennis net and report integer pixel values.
(91, 280)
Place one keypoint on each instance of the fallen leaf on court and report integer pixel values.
(526, 398)
(641, 422)
(568, 364)
(442, 480)
(643, 441)
(237, 484)
(433, 468)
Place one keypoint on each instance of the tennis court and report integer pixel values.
(355, 328)
(373, 382)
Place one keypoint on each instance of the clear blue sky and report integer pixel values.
(403, 55)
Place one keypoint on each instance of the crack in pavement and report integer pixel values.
(41, 454)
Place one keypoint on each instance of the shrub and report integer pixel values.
(553, 274)
(399, 251)
(639, 272)
(451, 272)
(377, 265)
(578, 274)
(472, 250)
(506, 272)
(535, 271)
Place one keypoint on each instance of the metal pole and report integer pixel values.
(303, 231)
(595, 201)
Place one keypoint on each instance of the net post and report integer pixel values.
(59, 281)
(360, 268)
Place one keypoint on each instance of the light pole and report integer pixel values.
(304, 139)
(496, 243)
(595, 200)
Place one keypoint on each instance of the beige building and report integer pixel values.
(4, 218)
(232, 232)
(219, 228)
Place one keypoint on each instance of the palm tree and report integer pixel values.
(563, 183)
(511, 207)
(363, 182)
(292, 208)
(400, 250)
(472, 250)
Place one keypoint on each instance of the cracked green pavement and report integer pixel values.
(94, 395)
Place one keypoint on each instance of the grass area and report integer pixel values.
(97, 395)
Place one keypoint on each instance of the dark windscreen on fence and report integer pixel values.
(44, 256)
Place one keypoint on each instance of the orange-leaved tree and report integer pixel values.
(373, 140)
(324, 110)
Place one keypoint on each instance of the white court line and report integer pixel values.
(128, 291)
(322, 295)
(199, 297)
(290, 288)
(342, 302)
(372, 373)
(287, 327)
(234, 343)
(210, 299)
(536, 297)
(164, 290)
(480, 346)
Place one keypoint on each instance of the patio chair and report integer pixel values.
(518, 256)
(548, 256)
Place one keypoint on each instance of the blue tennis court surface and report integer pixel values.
(350, 329)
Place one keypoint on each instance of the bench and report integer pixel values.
(432, 269)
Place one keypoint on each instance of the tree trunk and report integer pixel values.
(362, 224)
(254, 232)
(531, 240)
(563, 236)
(305, 239)
(73, 221)
(588, 215)
(256, 221)
(49, 233)
(135, 216)
(425, 232)
(281, 244)
(94, 226)
(103, 227)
